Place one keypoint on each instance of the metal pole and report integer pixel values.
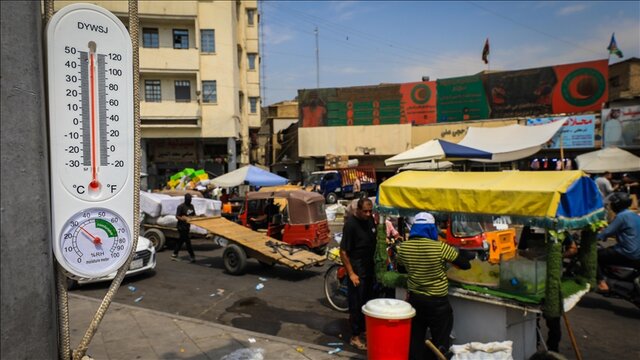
(317, 60)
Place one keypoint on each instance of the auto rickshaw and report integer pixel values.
(301, 219)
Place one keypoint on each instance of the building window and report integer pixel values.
(152, 91)
(180, 39)
(208, 41)
(150, 38)
(251, 13)
(239, 57)
(209, 91)
(253, 105)
(240, 101)
(252, 61)
(183, 90)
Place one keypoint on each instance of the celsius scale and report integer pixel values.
(91, 139)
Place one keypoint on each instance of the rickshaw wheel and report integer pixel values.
(235, 259)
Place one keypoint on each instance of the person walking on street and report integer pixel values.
(357, 250)
(424, 256)
(185, 210)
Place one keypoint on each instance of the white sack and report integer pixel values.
(150, 203)
(168, 221)
(170, 204)
(499, 350)
(197, 230)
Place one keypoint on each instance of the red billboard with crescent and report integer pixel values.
(581, 87)
(418, 103)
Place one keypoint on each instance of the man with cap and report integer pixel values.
(424, 257)
(357, 250)
(185, 210)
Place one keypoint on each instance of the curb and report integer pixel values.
(226, 328)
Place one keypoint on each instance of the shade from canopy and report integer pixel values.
(437, 149)
(611, 159)
(249, 175)
(562, 199)
(429, 165)
(512, 142)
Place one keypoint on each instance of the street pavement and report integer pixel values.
(128, 332)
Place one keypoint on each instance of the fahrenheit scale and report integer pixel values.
(91, 139)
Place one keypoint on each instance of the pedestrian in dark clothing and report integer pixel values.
(357, 250)
(185, 210)
(424, 256)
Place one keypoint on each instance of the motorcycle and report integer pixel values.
(624, 283)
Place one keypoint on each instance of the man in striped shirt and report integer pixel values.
(424, 257)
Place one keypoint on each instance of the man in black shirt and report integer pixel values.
(182, 214)
(357, 249)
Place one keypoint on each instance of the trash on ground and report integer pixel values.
(252, 340)
(262, 279)
(132, 288)
(300, 349)
(245, 354)
(139, 299)
(259, 286)
(335, 344)
(334, 351)
(182, 349)
(212, 294)
(220, 291)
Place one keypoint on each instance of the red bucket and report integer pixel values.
(388, 329)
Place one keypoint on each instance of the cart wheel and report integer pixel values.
(332, 198)
(235, 259)
(157, 238)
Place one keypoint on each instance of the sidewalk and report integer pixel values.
(129, 332)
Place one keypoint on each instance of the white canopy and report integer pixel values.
(429, 165)
(512, 142)
(610, 159)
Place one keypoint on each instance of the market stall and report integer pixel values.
(556, 202)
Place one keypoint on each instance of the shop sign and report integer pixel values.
(622, 126)
(577, 131)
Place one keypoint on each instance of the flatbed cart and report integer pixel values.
(159, 235)
(241, 243)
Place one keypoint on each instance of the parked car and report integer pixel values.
(144, 260)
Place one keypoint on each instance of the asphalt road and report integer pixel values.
(292, 304)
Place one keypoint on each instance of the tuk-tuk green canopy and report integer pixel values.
(552, 199)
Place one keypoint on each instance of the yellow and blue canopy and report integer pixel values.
(561, 200)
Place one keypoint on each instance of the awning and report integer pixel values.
(561, 199)
(437, 149)
(429, 165)
(513, 142)
(610, 159)
(249, 175)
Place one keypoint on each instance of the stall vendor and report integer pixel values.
(424, 259)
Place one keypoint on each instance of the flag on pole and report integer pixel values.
(613, 46)
(485, 52)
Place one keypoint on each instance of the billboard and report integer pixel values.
(570, 88)
(622, 126)
(577, 132)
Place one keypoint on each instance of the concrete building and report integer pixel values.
(199, 83)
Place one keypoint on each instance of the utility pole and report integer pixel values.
(317, 60)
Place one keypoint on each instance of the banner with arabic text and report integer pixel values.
(577, 131)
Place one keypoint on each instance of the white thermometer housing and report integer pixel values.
(91, 137)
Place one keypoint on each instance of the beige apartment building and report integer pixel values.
(199, 82)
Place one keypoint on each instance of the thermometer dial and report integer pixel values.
(94, 242)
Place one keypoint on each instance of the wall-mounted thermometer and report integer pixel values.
(91, 138)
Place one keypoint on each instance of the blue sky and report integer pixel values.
(372, 42)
